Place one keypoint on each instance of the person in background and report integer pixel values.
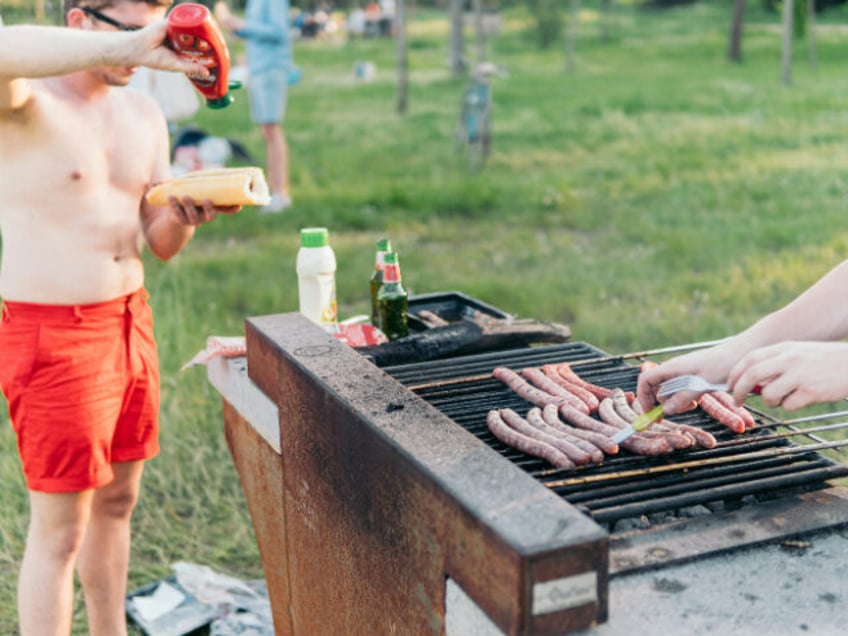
(266, 30)
(794, 356)
(79, 362)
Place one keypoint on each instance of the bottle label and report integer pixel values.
(391, 273)
(318, 299)
(327, 294)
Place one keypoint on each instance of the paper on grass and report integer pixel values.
(165, 598)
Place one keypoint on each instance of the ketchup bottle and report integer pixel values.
(193, 34)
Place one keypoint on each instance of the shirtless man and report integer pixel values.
(79, 367)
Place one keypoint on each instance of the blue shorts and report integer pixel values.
(268, 93)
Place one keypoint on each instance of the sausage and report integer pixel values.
(712, 407)
(529, 445)
(702, 438)
(622, 405)
(638, 443)
(587, 396)
(551, 416)
(534, 417)
(676, 439)
(567, 373)
(610, 415)
(523, 388)
(543, 382)
(725, 398)
(514, 420)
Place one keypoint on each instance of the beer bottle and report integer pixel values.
(383, 246)
(392, 301)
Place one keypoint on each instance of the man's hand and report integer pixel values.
(151, 49)
(712, 364)
(188, 213)
(793, 375)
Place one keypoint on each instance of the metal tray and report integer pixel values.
(452, 306)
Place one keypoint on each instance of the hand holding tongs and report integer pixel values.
(667, 388)
(692, 383)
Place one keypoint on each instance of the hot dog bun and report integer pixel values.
(222, 186)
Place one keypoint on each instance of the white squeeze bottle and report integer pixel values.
(316, 278)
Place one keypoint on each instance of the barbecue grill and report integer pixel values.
(382, 494)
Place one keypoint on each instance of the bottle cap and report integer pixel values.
(391, 258)
(221, 102)
(384, 245)
(314, 237)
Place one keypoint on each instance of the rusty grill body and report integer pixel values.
(388, 484)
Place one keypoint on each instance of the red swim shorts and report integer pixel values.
(82, 383)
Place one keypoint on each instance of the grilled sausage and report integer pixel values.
(676, 439)
(610, 414)
(529, 445)
(567, 373)
(601, 392)
(551, 415)
(543, 382)
(622, 405)
(638, 443)
(586, 422)
(725, 398)
(534, 417)
(524, 389)
(703, 439)
(587, 396)
(514, 420)
(712, 407)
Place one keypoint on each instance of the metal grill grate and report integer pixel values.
(771, 461)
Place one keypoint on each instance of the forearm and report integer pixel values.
(43, 51)
(820, 313)
(29, 51)
(166, 236)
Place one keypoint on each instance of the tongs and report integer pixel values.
(639, 423)
(692, 383)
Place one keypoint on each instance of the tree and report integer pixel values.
(571, 35)
(457, 42)
(786, 56)
(734, 49)
(548, 21)
(402, 59)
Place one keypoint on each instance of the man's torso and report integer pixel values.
(73, 172)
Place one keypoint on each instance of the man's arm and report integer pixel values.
(167, 229)
(30, 51)
(793, 354)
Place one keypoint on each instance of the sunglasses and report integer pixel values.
(102, 17)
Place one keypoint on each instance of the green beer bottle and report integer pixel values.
(392, 301)
(383, 246)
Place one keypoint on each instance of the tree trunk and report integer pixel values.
(786, 57)
(571, 35)
(479, 35)
(811, 33)
(457, 42)
(607, 8)
(402, 61)
(734, 49)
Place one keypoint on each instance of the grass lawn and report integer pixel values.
(657, 195)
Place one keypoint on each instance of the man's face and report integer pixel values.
(124, 16)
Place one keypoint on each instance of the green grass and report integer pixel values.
(658, 195)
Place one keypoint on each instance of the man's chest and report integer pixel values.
(59, 150)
